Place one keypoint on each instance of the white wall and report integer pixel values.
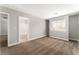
(59, 34)
(36, 26)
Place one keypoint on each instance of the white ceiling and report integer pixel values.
(45, 11)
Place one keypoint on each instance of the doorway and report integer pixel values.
(23, 29)
(4, 31)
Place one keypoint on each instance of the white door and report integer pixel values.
(23, 29)
(4, 26)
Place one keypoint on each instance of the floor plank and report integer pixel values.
(43, 46)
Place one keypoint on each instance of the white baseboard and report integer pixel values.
(26, 40)
(60, 38)
(9, 45)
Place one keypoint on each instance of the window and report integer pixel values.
(59, 25)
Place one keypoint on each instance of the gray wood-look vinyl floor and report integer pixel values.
(43, 46)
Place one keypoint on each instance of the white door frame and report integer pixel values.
(7, 27)
(20, 17)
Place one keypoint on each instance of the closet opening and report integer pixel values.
(3, 29)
